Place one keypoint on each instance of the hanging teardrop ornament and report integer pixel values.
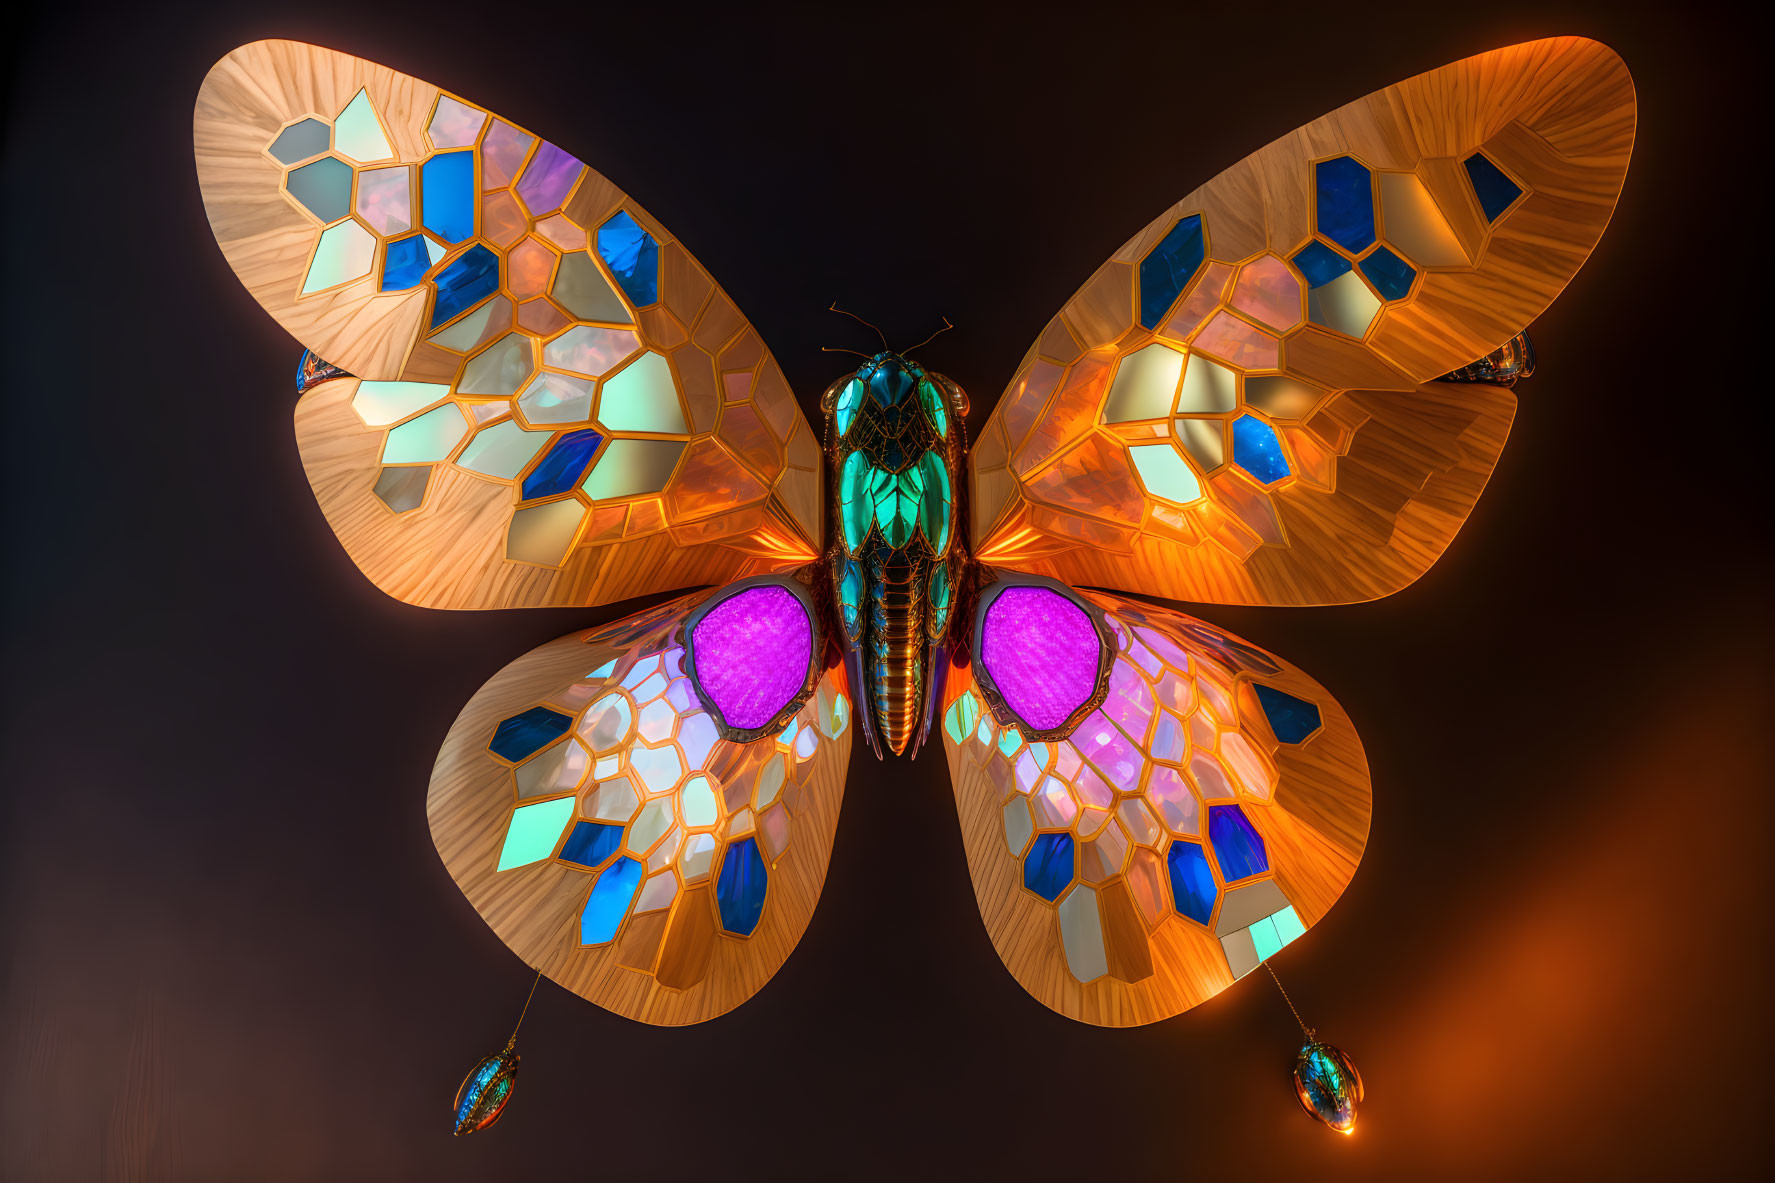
(1325, 1080)
(1328, 1085)
(484, 1093)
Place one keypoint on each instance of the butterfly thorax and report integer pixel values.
(893, 436)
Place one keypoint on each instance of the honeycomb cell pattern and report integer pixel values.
(561, 334)
(635, 791)
(1191, 428)
(1164, 788)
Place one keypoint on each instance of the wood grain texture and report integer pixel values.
(669, 970)
(1385, 464)
(1314, 827)
(745, 495)
(450, 552)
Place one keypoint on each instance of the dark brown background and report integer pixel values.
(231, 953)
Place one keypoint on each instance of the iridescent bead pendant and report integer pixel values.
(1328, 1085)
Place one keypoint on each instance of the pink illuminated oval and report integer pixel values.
(1042, 652)
(751, 654)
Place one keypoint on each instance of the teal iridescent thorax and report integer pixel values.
(894, 443)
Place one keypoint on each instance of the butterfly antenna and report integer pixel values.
(841, 349)
(835, 308)
(946, 327)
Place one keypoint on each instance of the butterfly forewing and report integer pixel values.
(588, 805)
(1241, 405)
(551, 402)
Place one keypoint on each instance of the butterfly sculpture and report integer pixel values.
(532, 395)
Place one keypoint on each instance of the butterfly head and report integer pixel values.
(890, 380)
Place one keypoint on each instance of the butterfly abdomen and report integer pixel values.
(893, 442)
(896, 646)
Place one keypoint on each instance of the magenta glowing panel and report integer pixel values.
(751, 652)
(1042, 652)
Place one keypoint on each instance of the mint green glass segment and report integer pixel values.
(533, 832)
(358, 134)
(849, 399)
(854, 500)
(933, 514)
(898, 498)
(644, 397)
(932, 398)
(427, 439)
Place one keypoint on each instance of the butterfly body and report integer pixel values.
(893, 437)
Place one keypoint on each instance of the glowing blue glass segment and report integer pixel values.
(464, 283)
(591, 843)
(741, 887)
(1291, 718)
(609, 902)
(1257, 450)
(1168, 267)
(1192, 883)
(932, 398)
(1319, 264)
(853, 492)
(1238, 847)
(483, 1076)
(447, 188)
(1328, 1085)
(849, 399)
(632, 256)
(1391, 276)
(889, 384)
(405, 263)
(850, 595)
(1047, 868)
(1345, 203)
(564, 465)
(1495, 191)
(522, 735)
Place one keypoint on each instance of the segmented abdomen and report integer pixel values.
(895, 636)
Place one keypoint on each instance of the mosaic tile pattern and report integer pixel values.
(622, 778)
(1164, 789)
(1180, 417)
(568, 352)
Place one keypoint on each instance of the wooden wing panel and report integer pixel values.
(552, 402)
(1208, 814)
(585, 805)
(1240, 406)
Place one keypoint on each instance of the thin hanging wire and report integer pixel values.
(512, 1042)
(1305, 1030)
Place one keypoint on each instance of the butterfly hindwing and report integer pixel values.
(549, 401)
(590, 809)
(1208, 804)
(1242, 405)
